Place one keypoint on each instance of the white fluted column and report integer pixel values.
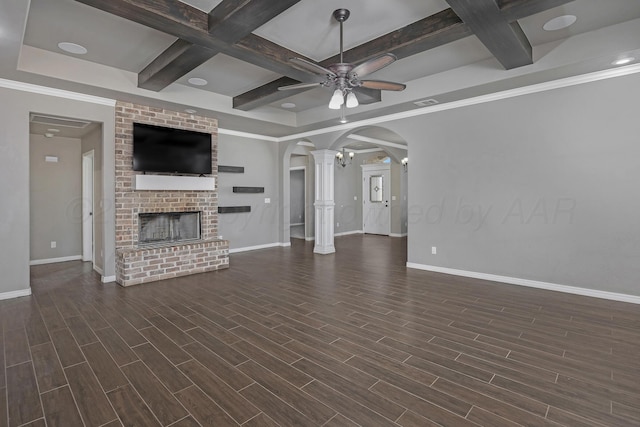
(323, 201)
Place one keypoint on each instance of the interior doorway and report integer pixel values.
(376, 188)
(88, 223)
(297, 202)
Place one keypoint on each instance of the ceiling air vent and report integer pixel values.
(426, 102)
(59, 121)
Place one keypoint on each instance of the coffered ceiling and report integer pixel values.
(447, 49)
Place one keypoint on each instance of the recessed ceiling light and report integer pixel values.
(76, 49)
(559, 22)
(48, 135)
(288, 105)
(197, 81)
(53, 130)
(623, 61)
(190, 111)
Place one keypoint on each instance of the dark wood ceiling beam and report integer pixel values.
(512, 10)
(265, 94)
(179, 58)
(504, 39)
(168, 16)
(228, 22)
(192, 25)
(432, 31)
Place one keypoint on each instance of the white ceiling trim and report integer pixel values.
(60, 93)
(511, 93)
(222, 131)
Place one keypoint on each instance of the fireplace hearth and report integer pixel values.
(168, 228)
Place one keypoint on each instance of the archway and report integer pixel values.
(380, 149)
(365, 139)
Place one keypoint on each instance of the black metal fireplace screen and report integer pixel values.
(168, 227)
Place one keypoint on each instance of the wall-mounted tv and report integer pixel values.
(162, 149)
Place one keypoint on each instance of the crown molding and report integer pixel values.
(222, 131)
(511, 93)
(60, 93)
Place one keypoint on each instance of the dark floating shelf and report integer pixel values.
(231, 169)
(248, 189)
(233, 209)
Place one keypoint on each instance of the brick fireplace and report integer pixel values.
(171, 248)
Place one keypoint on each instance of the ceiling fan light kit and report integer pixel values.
(345, 77)
(336, 100)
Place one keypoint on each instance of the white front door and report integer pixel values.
(376, 188)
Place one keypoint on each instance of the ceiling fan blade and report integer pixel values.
(382, 85)
(313, 67)
(374, 64)
(299, 86)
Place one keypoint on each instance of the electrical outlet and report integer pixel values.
(393, 197)
(355, 197)
(267, 200)
(53, 244)
(220, 237)
(337, 225)
(434, 250)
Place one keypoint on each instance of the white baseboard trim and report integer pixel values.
(15, 294)
(397, 234)
(97, 269)
(54, 260)
(309, 239)
(108, 279)
(347, 233)
(265, 246)
(530, 283)
(297, 223)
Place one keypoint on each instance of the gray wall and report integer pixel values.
(55, 197)
(542, 186)
(260, 161)
(348, 212)
(93, 141)
(297, 200)
(396, 205)
(14, 177)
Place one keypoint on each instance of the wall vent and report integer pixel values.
(426, 102)
(59, 121)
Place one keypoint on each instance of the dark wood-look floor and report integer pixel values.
(288, 338)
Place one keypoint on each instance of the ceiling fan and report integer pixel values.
(344, 76)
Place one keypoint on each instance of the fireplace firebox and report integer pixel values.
(168, 227)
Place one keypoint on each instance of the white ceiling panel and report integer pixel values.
(309, 28)
(230, 76)
(110, 40)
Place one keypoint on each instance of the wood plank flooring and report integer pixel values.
(288, 338)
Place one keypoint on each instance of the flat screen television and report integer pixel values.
(162, 149)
